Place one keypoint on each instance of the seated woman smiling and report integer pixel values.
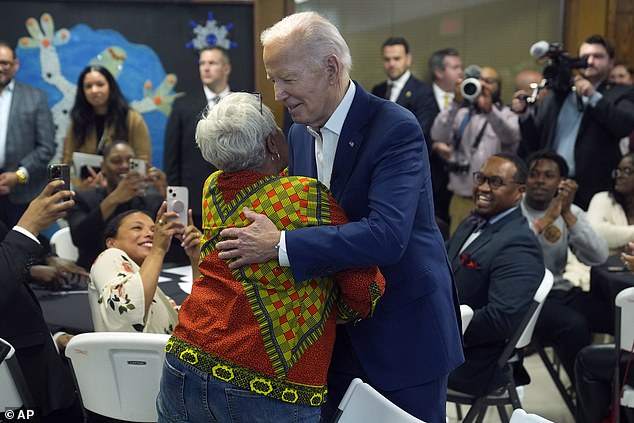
(123, 292)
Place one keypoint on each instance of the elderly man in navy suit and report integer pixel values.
(27, 139)
(371, 153)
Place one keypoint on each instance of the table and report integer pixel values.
(69, 310)
(608, 279)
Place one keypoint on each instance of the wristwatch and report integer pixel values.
(22, 178)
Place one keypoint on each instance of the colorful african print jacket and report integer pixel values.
(256, 327)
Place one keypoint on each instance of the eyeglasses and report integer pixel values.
(626, 171)
(259, 95)
(494, 182)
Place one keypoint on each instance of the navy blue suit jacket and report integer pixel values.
(497, 275)
(381, 179)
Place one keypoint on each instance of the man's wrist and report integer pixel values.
(22, 175)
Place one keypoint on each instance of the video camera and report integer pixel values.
(558, 73)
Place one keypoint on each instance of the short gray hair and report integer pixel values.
(232, 135)
(318, 35)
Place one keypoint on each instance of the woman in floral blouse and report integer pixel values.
(123, 293)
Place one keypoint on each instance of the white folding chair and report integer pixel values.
(62, 244)
(624, 330)
(519, 340)
(521, 416)
(466, 313)
(14, 392)
(363, 404)
(118, 373)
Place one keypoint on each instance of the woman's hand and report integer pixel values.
(191, 239)
(166, 226)
(156, 177)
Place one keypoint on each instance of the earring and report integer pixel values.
(273, 159)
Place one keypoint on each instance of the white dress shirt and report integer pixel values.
(397, 85)
(326, 140)
(440, 95)
(211, 96)
(5, 107)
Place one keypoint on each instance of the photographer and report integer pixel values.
(584, 122)
(467, 133)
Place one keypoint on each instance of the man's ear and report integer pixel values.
(333, 68)
(109, 242)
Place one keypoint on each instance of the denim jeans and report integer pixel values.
(190, 395)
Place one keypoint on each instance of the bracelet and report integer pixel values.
(538, 226)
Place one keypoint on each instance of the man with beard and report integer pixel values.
(585, 123)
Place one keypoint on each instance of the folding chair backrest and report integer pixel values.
(14, 392)
(118, 374)
(520, 416)
(62, 245)
(363, 404)
(467, 314)
(9, 396)
(540, 296)
(525, 330)
(625, 303)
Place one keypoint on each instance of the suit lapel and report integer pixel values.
(350, 142)
(407, 88)
(13, 130)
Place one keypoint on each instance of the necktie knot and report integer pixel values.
(216, 100)
(477, 221)
(446, 100)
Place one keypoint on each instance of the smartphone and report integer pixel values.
(138, 166)
(60, 171)
(177, 202)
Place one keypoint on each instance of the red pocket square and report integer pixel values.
(467, 261)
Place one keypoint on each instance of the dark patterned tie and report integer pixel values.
(477, 221)
(388, 92)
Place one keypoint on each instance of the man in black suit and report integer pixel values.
(184, 165)
(584, 124)
(445, 68)
(498, 266)
(21, 321)
(402, 87)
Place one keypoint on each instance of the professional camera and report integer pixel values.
(558, 73)
(471, 87)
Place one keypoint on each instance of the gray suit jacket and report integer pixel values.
(30, 140)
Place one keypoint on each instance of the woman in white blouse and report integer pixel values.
(123, 293)
(611, 213)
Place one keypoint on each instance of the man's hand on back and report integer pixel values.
(253, 244)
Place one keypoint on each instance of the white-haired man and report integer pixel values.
(371, 153)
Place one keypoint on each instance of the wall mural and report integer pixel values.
(53, 59)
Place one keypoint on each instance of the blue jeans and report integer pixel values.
(190, 395)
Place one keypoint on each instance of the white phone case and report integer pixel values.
(177, 202)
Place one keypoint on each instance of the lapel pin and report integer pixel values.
(408, 94)
(351, 143)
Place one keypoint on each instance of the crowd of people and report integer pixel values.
(342, 249)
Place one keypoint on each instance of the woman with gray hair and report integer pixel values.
(252, 344)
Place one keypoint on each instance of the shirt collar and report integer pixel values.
(502, 215)
(400, 82)
(439, 92)
(210, 95)
(9, 87)
(337, 119)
